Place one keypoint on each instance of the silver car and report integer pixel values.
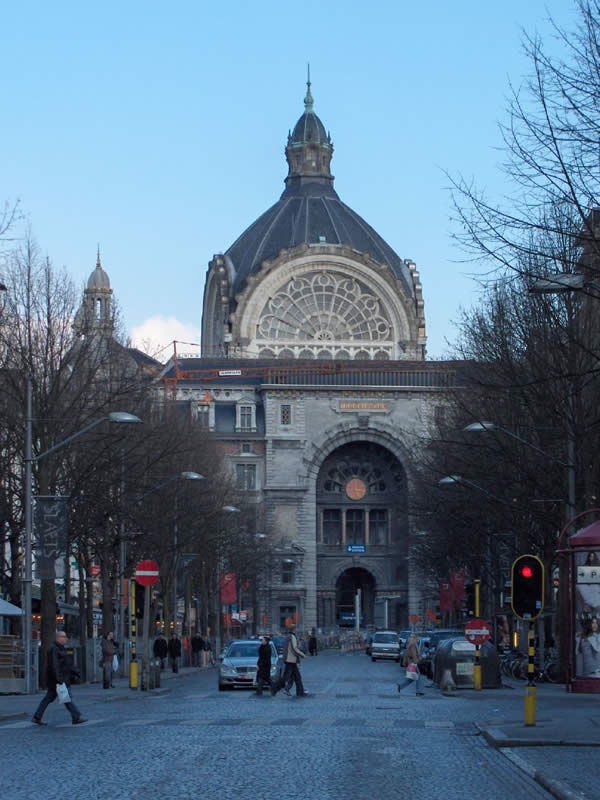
(385, 644)
(238, 666)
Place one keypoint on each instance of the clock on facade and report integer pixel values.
(356, 489)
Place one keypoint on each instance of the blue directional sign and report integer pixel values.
(356, 548)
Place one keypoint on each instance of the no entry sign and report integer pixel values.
(146, 573)
(477, 631)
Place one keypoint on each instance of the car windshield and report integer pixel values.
(385, 638)
(439, 636)
(244, 650)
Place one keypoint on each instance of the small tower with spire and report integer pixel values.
(95, 313)
(309, 148)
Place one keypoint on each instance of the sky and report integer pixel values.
(157, 132)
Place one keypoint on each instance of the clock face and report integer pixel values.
(356, 489)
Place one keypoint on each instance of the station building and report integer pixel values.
(313, 378)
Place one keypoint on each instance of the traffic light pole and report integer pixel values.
(133, 665)
(477, 666)
(530, 689)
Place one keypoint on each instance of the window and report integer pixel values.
(202, 417)
(287, 570)
(378, 526)
(355, 527)
(332, 526)
(246, 417)
(245, 476)
(246, 447)
(285, 414)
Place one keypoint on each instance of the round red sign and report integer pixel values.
(146, 573)
(477, 631)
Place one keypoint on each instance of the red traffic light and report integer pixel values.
(527, 572)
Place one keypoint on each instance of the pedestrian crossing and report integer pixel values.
(253, 722)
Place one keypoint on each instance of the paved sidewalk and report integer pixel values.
(559, 750)
(15, 706)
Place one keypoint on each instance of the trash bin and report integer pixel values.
(458, 655)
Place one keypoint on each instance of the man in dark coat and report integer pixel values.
(161, 649)
(263, 675)
(197, 648)
(59, 669)
(174, 651)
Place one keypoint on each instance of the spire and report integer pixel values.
(309, 148)
(308, 100)
(98, 262)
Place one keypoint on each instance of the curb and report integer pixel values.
(498, 739)
(556, 788)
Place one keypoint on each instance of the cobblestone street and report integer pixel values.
(355, 737)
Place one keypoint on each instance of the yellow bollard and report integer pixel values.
(530, 705)
(133, 674)
(530, 689)
(477, 677)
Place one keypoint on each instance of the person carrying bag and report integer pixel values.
(411, 662)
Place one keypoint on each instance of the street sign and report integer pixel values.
(477, 631)
(356, 548)
(146, 573)
(94, 570)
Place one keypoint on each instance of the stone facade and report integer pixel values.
(313, 337)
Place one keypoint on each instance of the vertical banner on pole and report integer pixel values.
(50, 526)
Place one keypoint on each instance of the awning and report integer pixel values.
(8, 610)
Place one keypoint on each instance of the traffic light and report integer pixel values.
(140, 592)
(470, 599)
(527, 587)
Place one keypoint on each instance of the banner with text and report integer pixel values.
(50, 526)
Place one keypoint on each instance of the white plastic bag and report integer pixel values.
(62, 691)
(115, 664)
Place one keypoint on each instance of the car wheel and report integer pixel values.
(373, 659)
(222, 687)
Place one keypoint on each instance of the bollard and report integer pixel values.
(157, 673)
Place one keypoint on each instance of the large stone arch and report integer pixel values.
(388, 566)
(332, 438)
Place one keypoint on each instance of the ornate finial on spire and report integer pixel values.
(98, 262)
(308, 100)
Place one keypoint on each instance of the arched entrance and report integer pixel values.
(362, 534)
(348, 584)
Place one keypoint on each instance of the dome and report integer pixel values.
(98, 279)
(309, 211)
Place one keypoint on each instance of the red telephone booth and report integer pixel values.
(584, 611)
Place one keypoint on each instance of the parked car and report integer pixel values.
(385, 644)
(238, 666)
(279, 642)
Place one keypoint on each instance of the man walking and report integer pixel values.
(174, 651)
(197, 648)
(291, 657)
(58, 670)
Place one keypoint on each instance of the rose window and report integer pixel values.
(324, 307)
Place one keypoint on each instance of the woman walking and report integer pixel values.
(411, 662)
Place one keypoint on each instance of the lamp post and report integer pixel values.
(181, 476)
(228, 510)
(571, 496)
(118, 417)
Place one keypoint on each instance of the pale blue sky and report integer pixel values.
(158, 130)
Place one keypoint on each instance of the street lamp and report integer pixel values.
(571, 501)
(133, 681)
(184, 476)
(117, 417)
(228, 510)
